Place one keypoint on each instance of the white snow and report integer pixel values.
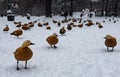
(81, 52)
(9, 11)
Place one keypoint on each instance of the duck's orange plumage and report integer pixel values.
(23, 53)
(52, 40)
(17, 33)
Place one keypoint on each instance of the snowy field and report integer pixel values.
(81, 52)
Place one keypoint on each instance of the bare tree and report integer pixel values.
(43, 7)
(116, 7)
(71, 7)
(48, 8)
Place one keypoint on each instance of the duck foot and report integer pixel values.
(26, 68)
(55, 46)
(18, 68)
(109, 50)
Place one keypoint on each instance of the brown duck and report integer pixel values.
(52, 40)
(62, 30)
(6, 29)
(17, 33)
(110, 41)
(23, 53)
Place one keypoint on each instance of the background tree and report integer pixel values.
(115, 9)
(102, 7)
(3, 6)
(71, 7)
(48, 8)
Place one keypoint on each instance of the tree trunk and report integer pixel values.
(102, 9)
(116, 8)
(9, 4)
(48, 8)
(71, 8)
(106, 7)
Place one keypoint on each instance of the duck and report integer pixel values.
(6, 29)
(52, 40)
(17, 33)
(31, 25)
(62, 30)
(100, 25)
(48, 27)
(46, 23)
(110, 41)
(23, 53)
(54, 21)
(39, 24)
(25, 27)
(59, 23)
(89, 23)
(69, 27)
(80, 25)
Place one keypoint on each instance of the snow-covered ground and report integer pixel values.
(81, 52)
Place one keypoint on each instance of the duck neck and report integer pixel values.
(24, 45)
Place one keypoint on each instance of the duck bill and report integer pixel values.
(104, 37)
(32, 43)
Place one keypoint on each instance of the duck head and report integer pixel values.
(107, 36)
(54, 34)
(27, 43)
